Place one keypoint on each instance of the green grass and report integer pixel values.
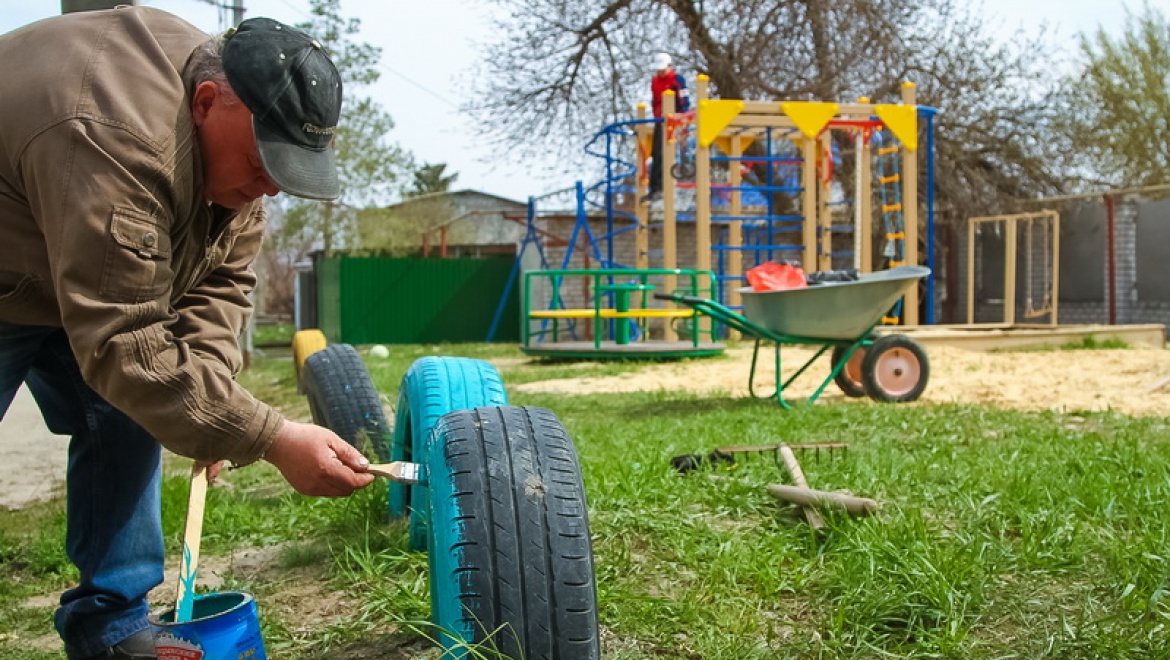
(278, 334)
(1092, 343)
(1002, 534)
(1087, 343)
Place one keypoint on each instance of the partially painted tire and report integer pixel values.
(511, 562)
(895, 369)
(849, 378)
(342, 398)
(431, 388)
(304, 344)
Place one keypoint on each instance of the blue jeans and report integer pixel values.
(113, 495)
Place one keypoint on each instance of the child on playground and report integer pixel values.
(665, 78)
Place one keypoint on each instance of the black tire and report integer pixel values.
(684, 171)
(895, 369)
(849, 378)
(511, 563)
(342, 398)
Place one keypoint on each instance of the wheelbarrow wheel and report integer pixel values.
(342, 398)
(895, 369)
(849, 378)
(511, 564)
(431, 388)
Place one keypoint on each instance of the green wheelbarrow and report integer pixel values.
(838, 317)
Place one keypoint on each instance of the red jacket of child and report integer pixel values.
(669, 79)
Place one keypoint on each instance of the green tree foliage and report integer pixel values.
(409, 227)
(431, 179)
(1119, 104)
(567, 69)
(370, 167)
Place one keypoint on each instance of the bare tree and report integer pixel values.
(567, 68)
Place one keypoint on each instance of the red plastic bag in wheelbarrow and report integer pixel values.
(772, 276)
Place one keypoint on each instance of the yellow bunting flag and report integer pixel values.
(902, 120)
(714, 116)
(810, 117)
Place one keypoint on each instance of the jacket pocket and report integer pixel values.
(137, 266)
(15, 289)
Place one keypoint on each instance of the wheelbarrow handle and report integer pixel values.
(680, 299)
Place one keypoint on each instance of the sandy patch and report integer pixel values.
(1117, 379)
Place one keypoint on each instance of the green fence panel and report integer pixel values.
(328, 273)
(384, 300)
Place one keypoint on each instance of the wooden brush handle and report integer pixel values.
(400, 471)
(188, 567)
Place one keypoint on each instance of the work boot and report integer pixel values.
(139, 646)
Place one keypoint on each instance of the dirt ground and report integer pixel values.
(1066, 380)
(34, 459)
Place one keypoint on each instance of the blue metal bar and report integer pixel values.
(530, 236)
(581, 223)
(750, 188)
(789, 160)
(609, 197)
(929, 112)
(775, 218)
(769, 147)
(758, 248)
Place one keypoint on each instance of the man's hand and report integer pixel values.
(213, 469)
(315, 461)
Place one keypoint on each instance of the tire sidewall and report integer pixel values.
(850, 388)
(874, 355)
(432, 387)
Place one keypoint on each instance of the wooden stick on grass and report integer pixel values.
(821, 499)
(810, 514)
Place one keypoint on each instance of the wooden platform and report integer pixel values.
(639, 350)
(989, 337)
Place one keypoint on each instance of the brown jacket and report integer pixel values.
(104, 229)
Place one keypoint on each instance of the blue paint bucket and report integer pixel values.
(223, 626)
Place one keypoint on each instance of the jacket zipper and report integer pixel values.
(205, 263)
(213, 238)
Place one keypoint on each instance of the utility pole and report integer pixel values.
(70, 6)
(236, 7)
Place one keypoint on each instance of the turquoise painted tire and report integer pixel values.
(511, 562)
(431, 388)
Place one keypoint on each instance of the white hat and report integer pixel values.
(660, 62)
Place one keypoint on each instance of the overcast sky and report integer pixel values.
(428, 45)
